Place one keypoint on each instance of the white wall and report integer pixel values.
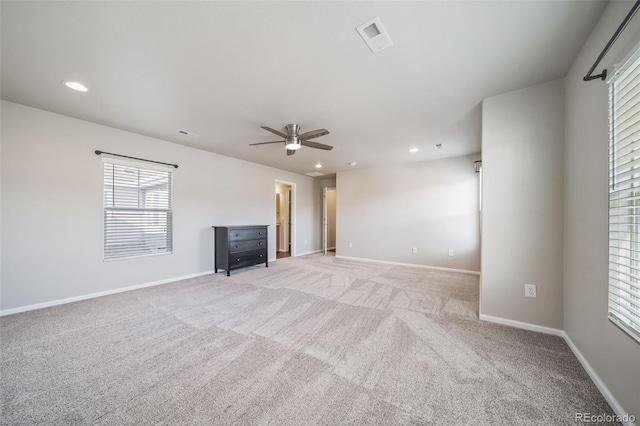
(329, 182)
(614, 356)
(52, 221)
(522, 213)
(431, 205)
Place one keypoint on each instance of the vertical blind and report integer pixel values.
(624, 197)
(137, 210)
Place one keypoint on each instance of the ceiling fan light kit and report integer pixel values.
(292, 143)
(293, 140)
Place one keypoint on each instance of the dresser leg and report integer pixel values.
(228, 273)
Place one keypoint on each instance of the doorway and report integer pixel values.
(329, 219)
(285, 219)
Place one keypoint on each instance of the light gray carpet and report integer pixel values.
(313, 340)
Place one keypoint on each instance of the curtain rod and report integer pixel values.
(603, 74)
(98, 152)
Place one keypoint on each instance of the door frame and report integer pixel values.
(292, 218)
(324, 220)
(325, 214)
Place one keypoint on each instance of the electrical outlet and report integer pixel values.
(414, 250)
(450, 252)
(530, 290)
(350, 244)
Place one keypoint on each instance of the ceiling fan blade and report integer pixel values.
(264, 143)
(291, 151)
(314, 134)
(269, 129)
(316, 145)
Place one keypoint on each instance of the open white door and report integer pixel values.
(325, 222)
(287, 221)
(287, 231)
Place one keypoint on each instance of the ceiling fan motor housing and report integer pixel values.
(291, 141)
(293, 129)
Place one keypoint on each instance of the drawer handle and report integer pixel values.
(235, 235)
(237, 260)
(260, 243)
(259, 233)
(237, 245)
(260, 255)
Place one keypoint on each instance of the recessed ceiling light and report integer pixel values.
(75, 86)
(414, 150)
(353, 163)
(318, 166)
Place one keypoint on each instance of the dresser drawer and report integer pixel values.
(246, 259)
(247, 245)
(247, 234)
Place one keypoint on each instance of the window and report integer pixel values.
(137, 209)
(624, 197)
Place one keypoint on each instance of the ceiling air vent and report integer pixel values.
(374, 34)
(185, 133)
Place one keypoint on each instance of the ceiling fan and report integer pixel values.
(293, 140)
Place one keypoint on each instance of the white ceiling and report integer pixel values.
(223, 69)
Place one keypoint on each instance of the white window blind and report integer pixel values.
(137, 209)
(624, 197)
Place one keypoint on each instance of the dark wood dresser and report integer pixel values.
(240, 246)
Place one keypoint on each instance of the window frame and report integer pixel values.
(149, 170)
(623, 280)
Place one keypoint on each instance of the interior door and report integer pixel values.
(278, 219)
(331, 218)
(287, 217)
(325, 222)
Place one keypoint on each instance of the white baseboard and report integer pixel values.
(604, 390)
(606, 393)
(309, 252)
(414, 265)
(523, 325)
(98, 294)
